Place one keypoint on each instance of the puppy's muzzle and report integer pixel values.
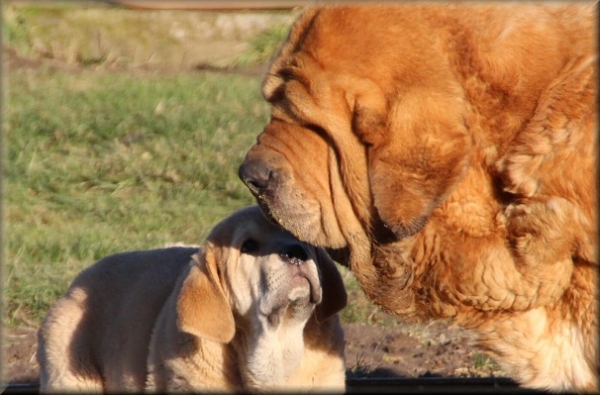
(297, 256)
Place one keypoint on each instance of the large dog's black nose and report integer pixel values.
(255, 175)
(295, 254)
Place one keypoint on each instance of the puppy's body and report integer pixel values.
(96, 337)
(447, 154)
(237, 315)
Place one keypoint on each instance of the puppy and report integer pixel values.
(253, 310)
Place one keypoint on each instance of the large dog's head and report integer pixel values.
(250, 269)
(379, 110)
(367, 133)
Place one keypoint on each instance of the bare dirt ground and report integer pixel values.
(371, 351)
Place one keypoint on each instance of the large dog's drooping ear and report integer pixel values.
(418, 150)
(202, 306)
(335, 297)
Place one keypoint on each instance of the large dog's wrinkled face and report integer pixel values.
(364, 141)
(293, 173)
(250, 269)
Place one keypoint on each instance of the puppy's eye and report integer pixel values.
(249, 245)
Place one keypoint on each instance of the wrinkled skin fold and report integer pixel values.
(447, 155)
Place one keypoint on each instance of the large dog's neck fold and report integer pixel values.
(386, 273)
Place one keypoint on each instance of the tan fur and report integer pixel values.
(253, 309)
(447, 155)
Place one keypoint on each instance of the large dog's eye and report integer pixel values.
(249, 245)
(286, 74)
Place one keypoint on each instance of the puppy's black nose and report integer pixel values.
(295, 254)
(255, 175)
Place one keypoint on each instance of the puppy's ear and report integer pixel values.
(418, 150)
(335, 297)
(202, 307)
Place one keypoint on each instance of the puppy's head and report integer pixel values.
(249, 268)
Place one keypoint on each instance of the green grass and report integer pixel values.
(100, 163)
(484, 362)
(263, 46)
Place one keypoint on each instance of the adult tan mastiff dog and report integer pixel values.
(253, 310)
(446, 154)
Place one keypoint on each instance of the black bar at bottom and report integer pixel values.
(425, 385)
(438, 385)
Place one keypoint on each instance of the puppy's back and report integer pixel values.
(97, 332)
